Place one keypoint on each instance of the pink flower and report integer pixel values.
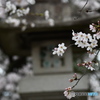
(71, 80)
(68, 94)
(92, 28)
(75, 76)
(97, 35)
(60, 50)
(68, 89)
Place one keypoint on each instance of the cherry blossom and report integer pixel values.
(51, 22)
(10, 7)
(32, 24)
(92, 45)
(68, 93)
(62, 46)
(97, 35)
(92, 54)
(71, 80)
(74, 78)
(14, 21)
(24, 22)
(46, 13)
(60, 50)
(22, 12)
(90, 67)
(9, 82)
(87, 65)
(68, 89)
(19, 13)
(55, 51)
(24, 28)
(92, 28)
(26, 11)
(84, 40)
(13, 77)
(10, 87)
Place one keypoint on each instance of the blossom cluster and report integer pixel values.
(95, 28)
(13, 9)
(68, 93)
(87, 41)
(92, 54)
(48, 19)
(83, 40)
(74, 78)
(10, 8)
(60, 50)
(16, 22)
(9, 81)
(88, 65)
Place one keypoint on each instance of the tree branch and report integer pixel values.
(85, 72)
(84, 6)
(78, 80)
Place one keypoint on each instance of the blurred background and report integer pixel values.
(28, 70)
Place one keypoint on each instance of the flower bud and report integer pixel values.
(71, 80)
(68, 89)
(79, 64)
(75, 76)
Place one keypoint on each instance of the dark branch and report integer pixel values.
(78, 80)
(85, 72)
(84, 6)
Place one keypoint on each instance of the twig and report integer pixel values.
(78, 80)
(84, 6)
(85, 72)
(70, 45)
